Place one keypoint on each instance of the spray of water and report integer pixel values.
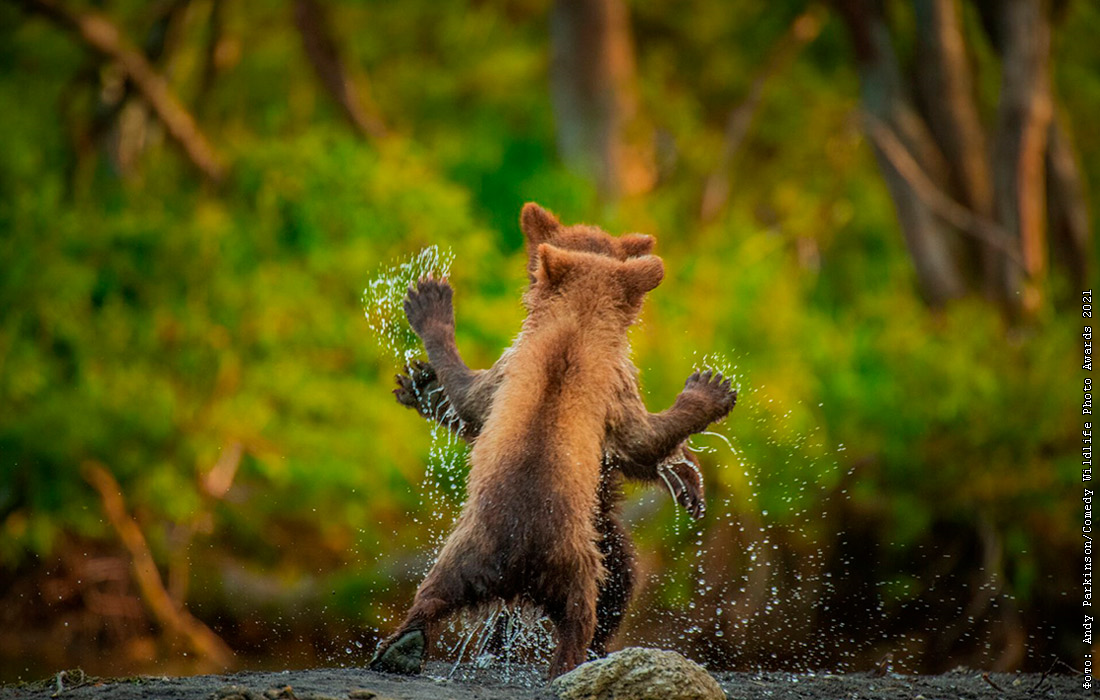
(749, 597)
(510, 643)
(741, 584)
(385, 293)
(383, 300)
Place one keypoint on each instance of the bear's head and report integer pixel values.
(540, 226)
(598, 289)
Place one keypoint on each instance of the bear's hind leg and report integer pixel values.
(617, 588)
(575, 622)
(404, 651)
(444, 591)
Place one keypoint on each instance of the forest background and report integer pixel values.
(875, 214)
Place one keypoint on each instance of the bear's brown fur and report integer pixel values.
(679, 469)
(527, 531)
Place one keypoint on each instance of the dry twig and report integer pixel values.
(987, 679)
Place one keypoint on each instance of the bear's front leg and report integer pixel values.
(419, 389)
(707, 397)
(679, 470)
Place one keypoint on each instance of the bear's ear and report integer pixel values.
(640, 275)
(538, 225)
(636, 244)
(553, 265)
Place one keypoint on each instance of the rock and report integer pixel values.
(638, 674)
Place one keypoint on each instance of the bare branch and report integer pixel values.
(101, 35)
(170, 614)
(323, 54)
(934, 198)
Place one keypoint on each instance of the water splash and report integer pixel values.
(742, 583)
(385, 293)
(739, 584)
(383, 300)
(511, 643)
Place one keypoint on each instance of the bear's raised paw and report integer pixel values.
(713, 388)
(429, 306)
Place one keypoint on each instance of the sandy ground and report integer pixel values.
(523, 684)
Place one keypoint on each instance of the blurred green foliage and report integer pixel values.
(151, 322)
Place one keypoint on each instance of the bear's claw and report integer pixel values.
(687, 486)
(715, 388)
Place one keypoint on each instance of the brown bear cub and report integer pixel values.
(527, 531)
(420, 389)
(679, 470)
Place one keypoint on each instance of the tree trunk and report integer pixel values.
(1067, 210)
(885, 97)
(1020, 146)
(592, 76)
(945, 90)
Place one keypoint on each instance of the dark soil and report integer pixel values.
(354, 684)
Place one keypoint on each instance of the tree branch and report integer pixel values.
(962, 218)
(170, 614)
(101, 35)
(321, 49)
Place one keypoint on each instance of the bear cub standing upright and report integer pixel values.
(459, 398)
(527, 532)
